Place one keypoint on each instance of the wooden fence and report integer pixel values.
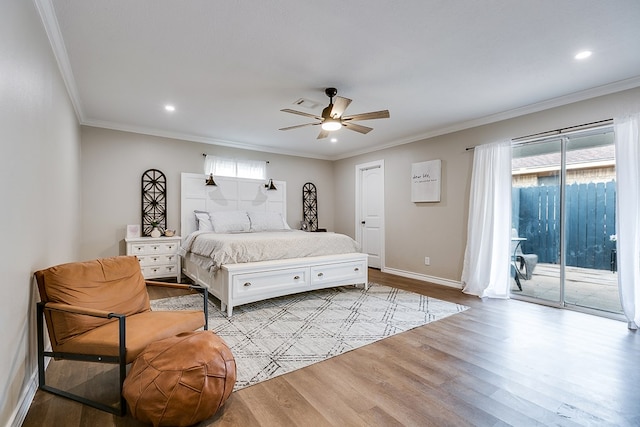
(590, 221)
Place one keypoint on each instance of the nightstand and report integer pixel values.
(158, 256)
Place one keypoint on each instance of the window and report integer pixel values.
(218, 166)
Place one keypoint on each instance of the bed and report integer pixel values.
(241, 266)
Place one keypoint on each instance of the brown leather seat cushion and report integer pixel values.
(180, 381)
(141, 329)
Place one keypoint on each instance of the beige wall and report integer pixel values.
(39, 189)
(439, 230)
(113, 163)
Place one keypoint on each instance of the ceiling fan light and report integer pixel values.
(331, 124)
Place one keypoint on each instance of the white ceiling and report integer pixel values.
(229, 67)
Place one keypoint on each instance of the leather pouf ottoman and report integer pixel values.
(180, 381)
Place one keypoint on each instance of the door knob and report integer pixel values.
(361, 222)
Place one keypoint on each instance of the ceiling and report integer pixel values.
(229, 67)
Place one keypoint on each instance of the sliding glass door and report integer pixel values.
(563, 219)
(590, 192)
(536, 220)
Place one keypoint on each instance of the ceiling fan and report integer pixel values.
(332, 118)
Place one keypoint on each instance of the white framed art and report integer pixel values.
(425, 181)
(133, 231)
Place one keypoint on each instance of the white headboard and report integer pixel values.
(231, 194)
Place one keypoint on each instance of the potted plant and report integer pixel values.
(155, 232)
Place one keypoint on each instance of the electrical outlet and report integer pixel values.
(427, 260)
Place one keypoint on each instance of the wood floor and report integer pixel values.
(502, 362)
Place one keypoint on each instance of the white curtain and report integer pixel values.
(218, 166)
(209, 164)
(255, 169)
(627, 142)
(486, 266)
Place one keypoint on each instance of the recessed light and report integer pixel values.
(170, 108)
(583, 55)
(334, 140)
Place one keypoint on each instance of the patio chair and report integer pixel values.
(524, 263)
(99, 311)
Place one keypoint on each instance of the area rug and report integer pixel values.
(270, 338)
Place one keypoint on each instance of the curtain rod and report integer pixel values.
(559, 131)
(565, 130)
(205, 155)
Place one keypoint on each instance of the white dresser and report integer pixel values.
(158, 256)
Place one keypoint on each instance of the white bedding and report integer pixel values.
(212, 250)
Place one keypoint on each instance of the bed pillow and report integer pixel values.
(230, 221)
(203, 221)
(267, 221)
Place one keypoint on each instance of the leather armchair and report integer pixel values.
(99, 311)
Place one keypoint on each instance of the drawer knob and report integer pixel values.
(320, 274)
(296, 277)
(247, 284)
(356, 269)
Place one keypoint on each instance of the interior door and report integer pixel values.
(370, 212)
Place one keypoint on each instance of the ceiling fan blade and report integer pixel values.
(339, 105)
(384, 114)
(323, 134)
(300, 113)
(299, 126)
(357, 128)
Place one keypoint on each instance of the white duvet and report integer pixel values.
(212, 250)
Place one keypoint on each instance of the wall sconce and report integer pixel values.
(210, 181)
(270, 186)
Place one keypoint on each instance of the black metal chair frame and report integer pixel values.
(516, 272)
(515, 259)
(120, 360)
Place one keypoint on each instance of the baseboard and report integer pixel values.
(28, 393)
(424, 277)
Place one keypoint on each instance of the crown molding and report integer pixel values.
(494, 118)
(584, 95)
(196, 138)
(49, 20)
(50, 23)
